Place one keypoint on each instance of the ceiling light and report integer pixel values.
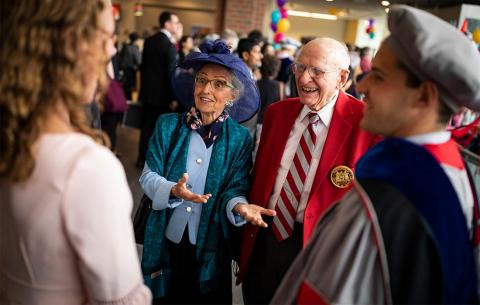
(329, 0)
(387, 10)
(385, 3)
(312, 15)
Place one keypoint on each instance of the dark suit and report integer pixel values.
(158, 61)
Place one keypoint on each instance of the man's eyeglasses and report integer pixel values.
(314, 72)
(217, 84)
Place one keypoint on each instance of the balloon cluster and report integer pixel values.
(279, 22)
(370, 30)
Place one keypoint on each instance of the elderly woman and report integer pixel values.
(196, 174)
(65, 230)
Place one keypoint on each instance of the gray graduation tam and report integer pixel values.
(435, 50)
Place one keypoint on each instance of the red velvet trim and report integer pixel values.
(308, 295)
(446, 153)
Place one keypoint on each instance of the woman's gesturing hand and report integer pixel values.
(180, 190)
(253, 213)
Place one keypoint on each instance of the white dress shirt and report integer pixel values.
(321, 130)
(169, 35)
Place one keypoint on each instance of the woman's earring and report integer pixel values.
(229, 103)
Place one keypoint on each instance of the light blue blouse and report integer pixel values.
(158, 189)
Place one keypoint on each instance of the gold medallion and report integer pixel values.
(341, 176)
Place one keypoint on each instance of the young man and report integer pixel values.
(403, 234)
(249, 50)
(308, 148)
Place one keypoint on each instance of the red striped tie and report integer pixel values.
(291, 192)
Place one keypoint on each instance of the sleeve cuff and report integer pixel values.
(162, 200)
(233, 217)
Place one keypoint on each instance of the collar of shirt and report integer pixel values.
(169, 35)
(437, 137)
(325, 113)
(283, 55)
(251, 74)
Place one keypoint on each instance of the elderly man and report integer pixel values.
(403, 234)
(308, 148)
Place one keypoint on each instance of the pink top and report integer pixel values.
(66, 235)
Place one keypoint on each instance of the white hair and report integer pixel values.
(338, 50)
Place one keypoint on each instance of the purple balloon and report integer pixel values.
(284, 12)
(370, 21)
(273, 26)
(281, 3)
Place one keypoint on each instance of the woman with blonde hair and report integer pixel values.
(65, 230)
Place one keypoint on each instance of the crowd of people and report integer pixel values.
(274, 83)
(250, 155)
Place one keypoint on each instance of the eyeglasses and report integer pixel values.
(314, 72)
(217, 84)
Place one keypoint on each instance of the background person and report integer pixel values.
(158, 61)
(249, 50)
(270, 89)
(185, 47)
(130, 61)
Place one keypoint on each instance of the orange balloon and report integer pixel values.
(476, 35)
(283, 25)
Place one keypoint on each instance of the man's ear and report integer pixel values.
(343, 78)
(245, 56)
(428, 94)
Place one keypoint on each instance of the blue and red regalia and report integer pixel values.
(398, 237)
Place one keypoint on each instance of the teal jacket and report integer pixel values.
(227, 177)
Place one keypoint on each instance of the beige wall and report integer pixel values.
(204, 13)
(449, 14)
(351, 31)
(190, 12)
(187, 18)
(303, 27)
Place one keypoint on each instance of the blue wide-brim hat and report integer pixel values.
(217, 52)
